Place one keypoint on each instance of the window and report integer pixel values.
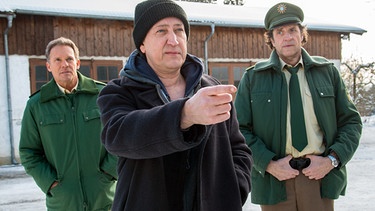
(101, 70)
(228, 73)
(41, 76)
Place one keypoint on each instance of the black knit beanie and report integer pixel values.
(149, 12)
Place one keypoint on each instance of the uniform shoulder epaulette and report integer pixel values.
(100, 82)
(34, 93)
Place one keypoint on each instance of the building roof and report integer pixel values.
(198, 13)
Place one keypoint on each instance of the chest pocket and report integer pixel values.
(261, 103)
(326, 92)
(261, 99)
(52, 119)
(91, 114)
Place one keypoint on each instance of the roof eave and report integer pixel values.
(193, 21)
(125, 17)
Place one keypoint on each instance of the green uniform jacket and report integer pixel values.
(261, 104)
(60, 141)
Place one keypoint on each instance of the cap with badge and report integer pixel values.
(283, 13)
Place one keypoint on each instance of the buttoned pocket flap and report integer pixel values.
(326, 91)
(91, 114)
(50, 119)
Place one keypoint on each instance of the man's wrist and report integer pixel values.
(333, 153)
(334, 159)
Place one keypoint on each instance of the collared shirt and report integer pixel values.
(65, 91)
(314, 133)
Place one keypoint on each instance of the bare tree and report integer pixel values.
(359, 78)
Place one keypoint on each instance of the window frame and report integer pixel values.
(93, 65)
(230, 68)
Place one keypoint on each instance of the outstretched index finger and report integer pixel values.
(221, 89)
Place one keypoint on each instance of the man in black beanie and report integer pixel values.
(173, 128)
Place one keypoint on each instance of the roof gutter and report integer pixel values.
(7, 72)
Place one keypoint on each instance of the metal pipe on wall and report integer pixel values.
(7, 73)
(206, 48)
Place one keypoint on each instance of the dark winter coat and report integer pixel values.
(261, 103)
(60, 141)
(160, 166)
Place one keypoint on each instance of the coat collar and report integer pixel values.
(51, 91)
(274, 62)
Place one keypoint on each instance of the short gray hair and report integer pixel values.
(62, 41)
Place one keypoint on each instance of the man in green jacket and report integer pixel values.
(60, 143)
(289, 172)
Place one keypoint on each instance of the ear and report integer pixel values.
(48, 67)
(142, 48)
(78, 64)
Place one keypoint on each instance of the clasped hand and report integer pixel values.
(319, 167)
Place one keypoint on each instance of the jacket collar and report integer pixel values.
(51, 91)
(274, 62)
(138, 69)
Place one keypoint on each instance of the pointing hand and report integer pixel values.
(210, 105)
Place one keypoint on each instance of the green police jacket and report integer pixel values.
(261, 104)
(60, 141)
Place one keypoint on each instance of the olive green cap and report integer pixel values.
(283, 13)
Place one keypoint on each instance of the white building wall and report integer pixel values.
(19, 94)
